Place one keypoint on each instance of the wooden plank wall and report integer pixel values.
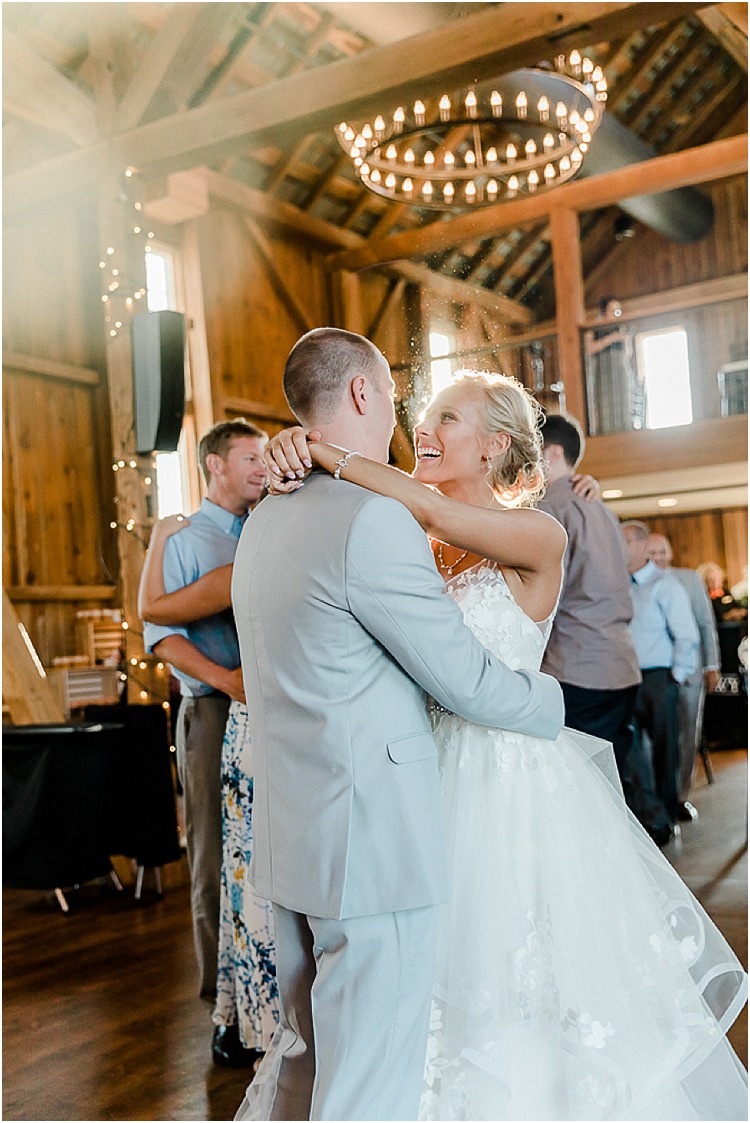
(717, 536)
(255, 311)
(57, 479)
(649, 262)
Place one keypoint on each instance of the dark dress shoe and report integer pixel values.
(686, 813)
(661, 835)
(228, 1050)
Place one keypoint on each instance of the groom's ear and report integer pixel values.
(358, 393)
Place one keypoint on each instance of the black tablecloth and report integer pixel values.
(74, 794)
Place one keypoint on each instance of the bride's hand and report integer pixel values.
(586, 487)
(288, 459)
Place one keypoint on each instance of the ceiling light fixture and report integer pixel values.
(526, 132)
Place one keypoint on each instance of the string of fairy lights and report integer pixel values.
(124, 295)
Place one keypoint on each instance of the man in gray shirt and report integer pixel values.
(590, 651)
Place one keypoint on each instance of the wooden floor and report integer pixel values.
(101, 1017)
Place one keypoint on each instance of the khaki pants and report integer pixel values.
(200, 735)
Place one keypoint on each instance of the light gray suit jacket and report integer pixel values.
(702, 609)
(344, 625)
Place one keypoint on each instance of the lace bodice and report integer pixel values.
(496, 620)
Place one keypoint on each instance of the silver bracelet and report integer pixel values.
(342, 463)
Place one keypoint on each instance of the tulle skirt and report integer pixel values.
(577, 976)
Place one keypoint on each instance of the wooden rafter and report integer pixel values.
(659, 97)
(172, 38)
(36, 91)
(728, 25)
(681, 169)
(289, 299)
(494, 40)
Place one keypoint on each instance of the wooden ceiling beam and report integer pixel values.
(727, 23)
(173, 36)
(281, 215)
(497, 39)
(718, 160)
(508, 311)
(34, 90)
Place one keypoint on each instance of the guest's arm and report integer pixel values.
(205, 597)
(185, 657)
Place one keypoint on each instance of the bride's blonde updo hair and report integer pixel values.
(519, 474)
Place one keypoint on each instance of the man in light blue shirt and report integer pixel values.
(666, 643)
(205, 658)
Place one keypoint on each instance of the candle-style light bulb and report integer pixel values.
(427, 189)
(565, 164)
(444, 105)
(470, 159)
(408, 186)
(589, 115)
(449, 160)
(587, 66)
(522, 103)
(561, 112)
(549, 173)
(379, 126)
(375, 176)
(429, 159)
(399, 116)
(530, 147)
(419, 112)
(533, 179)
(390, 181)
(543, 108)
(512, 187)
(471, 104)
(471, 191)
(576, 156)
(548, 142)
(491, 155)
(492, 190)
(575, 61)
(391, 152)
(496, 103)
(511, 152)
(367, 131)
(409, 156)
(448, 192)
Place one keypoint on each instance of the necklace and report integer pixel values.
(449, 568)
(441, 560)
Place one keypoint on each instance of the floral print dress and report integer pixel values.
(246, 989)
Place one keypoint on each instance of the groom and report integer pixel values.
(344, 626)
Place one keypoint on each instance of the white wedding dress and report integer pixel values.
(577, 976)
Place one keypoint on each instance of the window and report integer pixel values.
(161, 296)
(664, 366)
(441, 369)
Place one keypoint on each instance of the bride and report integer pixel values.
(577, 976)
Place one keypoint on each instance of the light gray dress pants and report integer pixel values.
(355, 998)
(692, 699)
(200, 735)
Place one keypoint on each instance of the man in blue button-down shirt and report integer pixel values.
(666, 643)
(205, 658)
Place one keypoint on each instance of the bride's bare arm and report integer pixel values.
(206, 596)
(521, 539)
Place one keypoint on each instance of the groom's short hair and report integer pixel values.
(320, 365)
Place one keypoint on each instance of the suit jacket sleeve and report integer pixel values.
(394, 590)
(700, 602)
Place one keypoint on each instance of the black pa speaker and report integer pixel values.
(158, 380)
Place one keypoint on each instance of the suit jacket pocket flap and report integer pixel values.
(419, 746)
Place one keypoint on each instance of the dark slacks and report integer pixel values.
(609, 714)
(657, 723)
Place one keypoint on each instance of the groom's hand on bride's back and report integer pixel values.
(287, 458)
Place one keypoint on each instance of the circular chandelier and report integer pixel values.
(525, 132)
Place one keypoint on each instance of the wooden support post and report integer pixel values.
(351, 312)
(131, 495)
(570, 311)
